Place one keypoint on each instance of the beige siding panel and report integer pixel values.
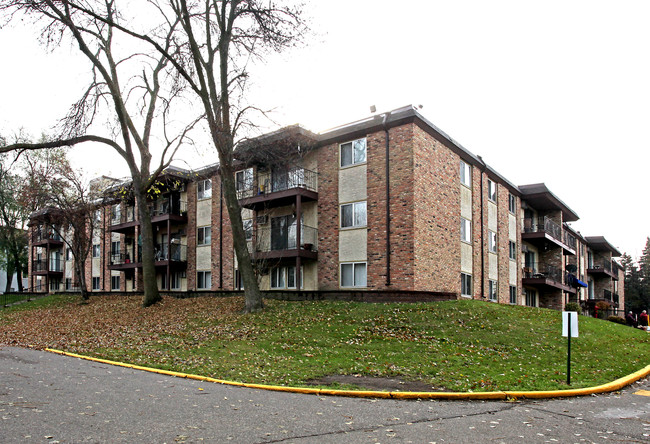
(492, 216)
(353, 245)
(352, 184)
(466, 202)
(493, 264)
(96, 265)
(513, 273)
(203, 212)
(203, 258)
(466, 255)
(512, 227)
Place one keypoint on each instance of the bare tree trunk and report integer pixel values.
(80, 271)
(149, 283)
(254, 301)
(19, 276)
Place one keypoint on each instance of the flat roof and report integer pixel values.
(541, 198)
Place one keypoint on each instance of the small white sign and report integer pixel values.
(574, 323)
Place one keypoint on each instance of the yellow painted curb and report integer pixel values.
(609, 387)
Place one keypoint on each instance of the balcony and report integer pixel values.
(46, 235)
(41, 266)
(601, 267)
(125, 259)
(544, 231)
(540, 275)
(123, 222)
(163, 210)
(175, 255)
(277, 189)
(281, 242)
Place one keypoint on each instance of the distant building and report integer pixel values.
(390, 203)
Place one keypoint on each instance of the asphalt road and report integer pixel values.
(48, 398)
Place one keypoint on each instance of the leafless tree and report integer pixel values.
(135, 86)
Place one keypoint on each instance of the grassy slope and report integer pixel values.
(456, 345)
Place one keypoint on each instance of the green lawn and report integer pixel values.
(455, 345)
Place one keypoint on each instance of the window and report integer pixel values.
(244, 180)
(68, 284)
(353, 153)
(176, 280)
(95, 283)
(204, 189)
(531, 298)
(115, 283)
(203, 280)
(285, 277)
(513, 250)
(98, 217)
(239, 283)
(492, 290)
(513, 294)
(465, 174)
(492, 191)
(492, 241)
(116, 213)
(354, 274)
(203, 236)
(115, 248)
(466, 284)
(96, 252)
(353, 215)
(512, 203)
(68, 254)
(465, 230)
(248, 228)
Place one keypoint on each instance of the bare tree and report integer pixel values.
(135, 103)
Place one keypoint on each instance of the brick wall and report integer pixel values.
(328, 217)
(191, 236)
(503, 244)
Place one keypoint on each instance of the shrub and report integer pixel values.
(617, 319)
(573, 306)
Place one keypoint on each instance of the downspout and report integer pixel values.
(483, 168)
(220, 234)
(387, 199)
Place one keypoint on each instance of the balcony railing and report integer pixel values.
(570, 240)
(543, 271)
(126, 257)
(600, 263)
(279, 181)
(163, 207)
(543, 224)
(55, 265)
(119, 217)
(284, 238)
(175, 253)
(45, 233)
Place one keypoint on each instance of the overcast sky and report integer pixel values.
(553, 91)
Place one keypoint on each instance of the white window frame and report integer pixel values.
(248, 228)
(202, 281)
(94, 283)
(68, 254)
(512, 203)
(175, 281)
(531, 297)
(354, 265)
(465, 230)
(116, 214)
(353, 158)
(492, 241)
(201, 238)
(204, 189)
(512, 250)
(115, 280)
(466, 285)
(281, 277)
(244, 179)
(492, 190)
(493, 290)
(359, 219)
(465, 174)
(96, 250)
(513, 294)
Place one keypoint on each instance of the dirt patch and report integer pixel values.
(376, 383)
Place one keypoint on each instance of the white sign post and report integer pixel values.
(570, 330)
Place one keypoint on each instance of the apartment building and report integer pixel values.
(389, 203)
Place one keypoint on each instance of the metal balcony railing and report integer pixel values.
(285, 238)
(162, 207)
(570, 240)
(119, 217)
(45, 233)
(550, 227)
(55, 265)
(549, 272)
(175, 253)
(279, 181)
(126, 256)
(600, 262)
